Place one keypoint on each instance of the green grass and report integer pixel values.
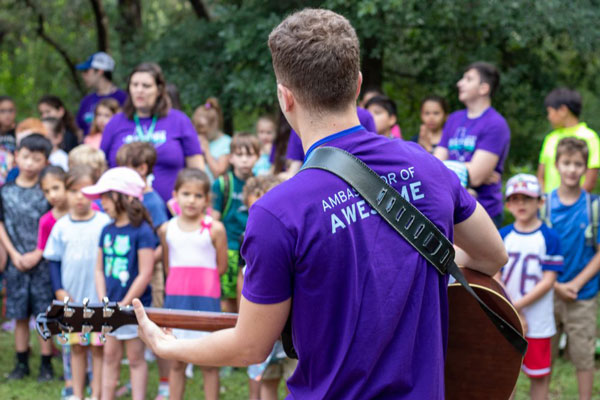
(232, 387)
(563, 384)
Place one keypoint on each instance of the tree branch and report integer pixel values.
(101, 25)
(200, 9)
(44, 36)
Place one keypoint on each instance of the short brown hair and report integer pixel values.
(259, 185)
(84, 154)
(161, 107)
(193, 174)
(572, 145)
(135, 154)
(247, 141)
(77, 173)
(316, 54)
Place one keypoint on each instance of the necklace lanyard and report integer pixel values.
(144, 137)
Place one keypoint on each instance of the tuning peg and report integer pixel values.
(104, 331)
(86, 328)
(83, 339)
(106, 312)
(62, 338)
(87, 312)
(68, 311)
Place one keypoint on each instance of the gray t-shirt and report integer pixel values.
(75, 245)
(20, 210)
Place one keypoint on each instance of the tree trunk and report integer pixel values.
(101, 25)
(130, 22)
(200, 9)
(372, 65)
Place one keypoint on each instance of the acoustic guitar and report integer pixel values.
(480, 363)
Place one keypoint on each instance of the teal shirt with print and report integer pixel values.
(236, 217)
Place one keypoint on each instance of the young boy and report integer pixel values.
(478, 136)
(569, 213)
(564, 107)
(534, 260)
(28, 288)
(228, 207)
(384, 111)
(141, 156)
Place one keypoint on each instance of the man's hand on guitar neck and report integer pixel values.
(158, 339)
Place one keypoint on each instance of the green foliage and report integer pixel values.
(424, 47)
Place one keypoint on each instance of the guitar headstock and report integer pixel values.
(64, 317)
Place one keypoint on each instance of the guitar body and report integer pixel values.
(480, 363)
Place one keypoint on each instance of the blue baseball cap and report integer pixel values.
(98, 60)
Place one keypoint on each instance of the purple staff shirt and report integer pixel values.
(369, 314)
(174, 138)
(463, 136)
(87, 107)
(295, 150)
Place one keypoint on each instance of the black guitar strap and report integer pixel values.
(408, 221)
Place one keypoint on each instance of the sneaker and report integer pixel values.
(66, 393)
(46, 373)
(163, 393)
(19, 372)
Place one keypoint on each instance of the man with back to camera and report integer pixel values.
(479, 136)
(365, 325)
(97, 74)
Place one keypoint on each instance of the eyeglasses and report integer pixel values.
(7, 110)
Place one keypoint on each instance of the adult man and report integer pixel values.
(97, 75)
(368, 312)
(479, 136)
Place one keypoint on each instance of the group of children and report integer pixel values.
(552, 273)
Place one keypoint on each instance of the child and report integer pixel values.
(563, 107)
(534, 260)
(104, 111)
(228, 207)
(28, 288)
(87, 155)
(71, 252)
(208, 121)
(56, 135)
(434, 110)
(141, 157)
(195, 254)
(124, 269)
(383, 110)
(265, 130)
(569, 212)
(479, 136)
(264, 378)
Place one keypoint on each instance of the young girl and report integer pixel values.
(123, 270)
(105, 109)
(434, 111)
(208, 121)
(71, 252)
(56, 133)
(53, 107)
(265, 130)
(195, 254)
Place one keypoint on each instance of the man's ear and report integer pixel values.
(358, 85)
(286, 97)
(484, 89)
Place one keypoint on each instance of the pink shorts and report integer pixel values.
(537, 361)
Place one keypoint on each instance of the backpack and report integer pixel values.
(593, 211)
(226, 186)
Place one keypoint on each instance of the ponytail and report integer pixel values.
(136, 212)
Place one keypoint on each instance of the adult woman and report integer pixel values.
(50, 106)
(208, 121)
(148, 117)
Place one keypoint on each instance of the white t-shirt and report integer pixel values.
(59, 158)
(75, 245)
(529, 255)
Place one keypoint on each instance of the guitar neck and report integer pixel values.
(183, 319)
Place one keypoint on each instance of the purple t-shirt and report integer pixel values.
(369, 314)
(295, 150)
(174, 138)
(463, 136)
(87, 107)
